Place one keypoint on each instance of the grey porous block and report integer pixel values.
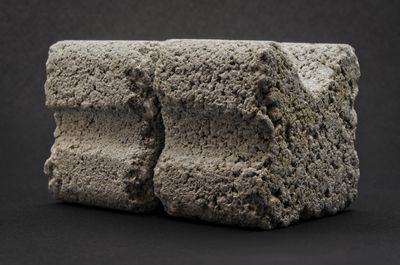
(250, 133)
(257, 134)
(109, 131)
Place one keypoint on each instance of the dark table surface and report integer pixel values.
(34, 229)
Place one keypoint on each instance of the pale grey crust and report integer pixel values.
(257, 134)
(109, 130)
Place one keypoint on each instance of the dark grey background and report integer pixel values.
(34, 229)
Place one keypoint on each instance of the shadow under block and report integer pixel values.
(250, 133)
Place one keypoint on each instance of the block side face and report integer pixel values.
(277, 153)
(109, 130)
(332, 158)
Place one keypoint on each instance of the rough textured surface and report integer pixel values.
(257, 134)
(251, 133)
(109, 131)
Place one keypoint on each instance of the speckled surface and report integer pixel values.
(109, 131)
(253, 133)
(257, 134)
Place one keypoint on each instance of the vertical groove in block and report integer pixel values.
(257, 134)
(109, 129)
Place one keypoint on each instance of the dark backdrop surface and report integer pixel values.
(34, 229)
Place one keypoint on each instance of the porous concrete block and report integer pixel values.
(257, 134)
(251, 133)
(109, 130)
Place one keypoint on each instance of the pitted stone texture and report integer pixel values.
(109, 130)
(257, 134)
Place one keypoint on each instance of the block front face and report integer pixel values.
(109, 131)
(257, 134)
